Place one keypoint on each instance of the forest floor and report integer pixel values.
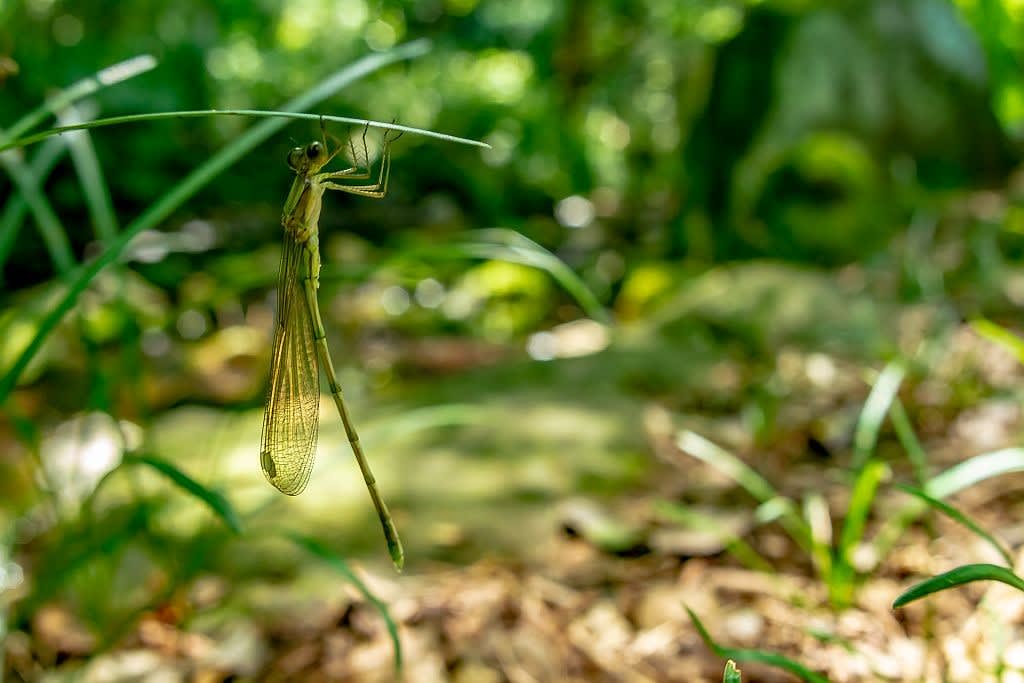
(550, 547)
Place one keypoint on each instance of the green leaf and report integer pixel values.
(841, 581)
(975, 470)
(501, 244)
(337, 562)
(728, 464)
(873, 414)
(956, 478)
(997, 334)
(759, 656)
(819, 520)
(16, 207)
(861, 499)
(753, 483)
(50, 228)
(90, 177)
(908, 439)
(963, 519)
(82, 276)
(212, 499)
(958, 577)
(732, 674)
(734, 544)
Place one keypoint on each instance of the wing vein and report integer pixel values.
(292, 410)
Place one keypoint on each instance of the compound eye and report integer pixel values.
(314, 150)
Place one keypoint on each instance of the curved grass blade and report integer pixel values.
(212, 499)
(958, 577)
(196, 180)
(908, 439)
(961, 518)
(875, 409)
(54, 236)
(753, 483)
(974, 470)
(728, 464)
(509, 245)
(955, 479)
(513, 246)
(759, 656)
(997, 334)
(16, 207)
(252, 113)
(337, 562)
(732, 674)
(111, 75)
(733, 542)
(90, 177)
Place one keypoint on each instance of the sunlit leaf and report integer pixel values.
(997, 334)
(958, 516)
(875, 409)
(212, 499)
(958, 577)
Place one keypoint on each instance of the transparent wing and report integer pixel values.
(292, 415)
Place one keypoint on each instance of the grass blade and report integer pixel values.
(974, 470)
(961, 518)
(286, 113)
(759, 656)
(212, 499)
(111, 75)
(997, 334)
(732, 674)
(958, 577)
(502, 244)
(908, 439)
(196, 180)
(728, 464)
(734, 544)
(955, 479)
(337, 562)
(875, 409)
(819, 520)
(753, 483)
(50, 228)
(16, 207)
(861, 500)
(90, 177)
(523, 250)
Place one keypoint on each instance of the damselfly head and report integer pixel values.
(308, 158)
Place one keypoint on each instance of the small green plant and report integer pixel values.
(811, 529)
(964, 474)
(759, 656)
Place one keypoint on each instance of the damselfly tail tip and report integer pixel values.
(397, 554)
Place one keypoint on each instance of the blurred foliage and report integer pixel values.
(712, 130)
(757, 191)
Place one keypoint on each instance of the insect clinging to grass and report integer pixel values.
(291, 418)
